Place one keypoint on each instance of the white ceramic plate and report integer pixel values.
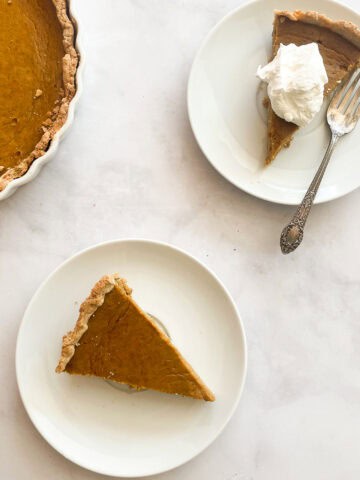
(38, 164)
(111, 431)
(229, 121)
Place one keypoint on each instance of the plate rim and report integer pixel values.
(249, 191)
(224, 289)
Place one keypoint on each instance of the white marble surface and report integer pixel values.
(131, 168)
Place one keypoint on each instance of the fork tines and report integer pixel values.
(347, 96)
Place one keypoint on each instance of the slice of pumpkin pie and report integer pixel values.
(116, 340)
(339, 46)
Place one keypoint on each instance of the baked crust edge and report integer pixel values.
(87, 309)
(59, 114)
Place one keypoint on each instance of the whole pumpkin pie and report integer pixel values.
(339, 45)
(38, 62)
(116, 340)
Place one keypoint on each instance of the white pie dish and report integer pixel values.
(38, 163)
(229, 121)
(110, 431)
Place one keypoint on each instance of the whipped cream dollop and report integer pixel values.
(296, 79)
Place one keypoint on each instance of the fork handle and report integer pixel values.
(293, 233)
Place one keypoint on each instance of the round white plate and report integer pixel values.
(229, 120)
(114, 432)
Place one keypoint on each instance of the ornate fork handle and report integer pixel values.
(293, 233)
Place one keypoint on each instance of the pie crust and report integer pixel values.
(280, 132)
(138, 358)
(58, 115)
(87, 309)
(347, 30)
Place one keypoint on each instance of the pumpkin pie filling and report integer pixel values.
(37, 78)
(339, 45)
(114, 339)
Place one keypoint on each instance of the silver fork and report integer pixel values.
(342, 116)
